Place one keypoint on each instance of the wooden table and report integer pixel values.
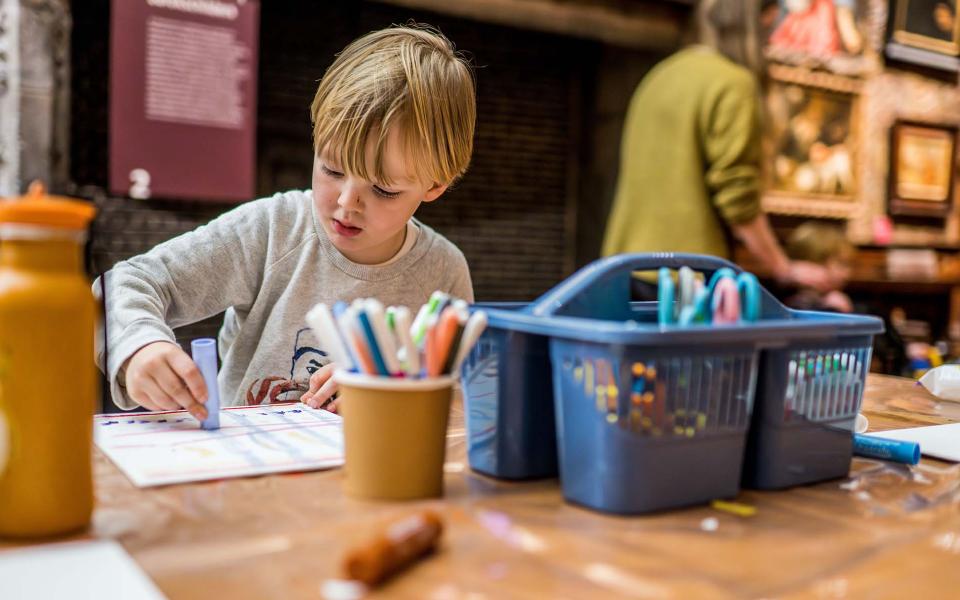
(889, 532)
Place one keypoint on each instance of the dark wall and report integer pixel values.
(514, 213)
(533, 204)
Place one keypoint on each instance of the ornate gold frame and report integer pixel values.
(897, 205)
(921, 41)
(871, 24)
(816, 205)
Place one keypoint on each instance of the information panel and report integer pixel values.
(183, 90)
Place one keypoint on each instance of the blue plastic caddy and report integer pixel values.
(650, 417)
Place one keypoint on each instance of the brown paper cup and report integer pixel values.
(394, 434)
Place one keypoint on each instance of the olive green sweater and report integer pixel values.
(689, 159)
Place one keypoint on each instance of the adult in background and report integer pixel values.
(690, 154)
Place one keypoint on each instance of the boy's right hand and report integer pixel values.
(161, 376)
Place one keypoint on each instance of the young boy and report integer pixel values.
(393, 122)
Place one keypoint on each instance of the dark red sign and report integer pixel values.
(183, 91)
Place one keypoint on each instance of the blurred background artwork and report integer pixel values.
(810, 140)
(921, 168)
(834, 34)
(927, 24)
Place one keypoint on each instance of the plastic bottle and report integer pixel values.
(48, 382)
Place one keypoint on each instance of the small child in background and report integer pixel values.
(393, 122)
(828, 246)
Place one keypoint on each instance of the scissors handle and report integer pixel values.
(607, 281)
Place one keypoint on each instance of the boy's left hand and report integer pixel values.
(322, 387)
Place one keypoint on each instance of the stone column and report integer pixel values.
(9, 97)
(44, 44)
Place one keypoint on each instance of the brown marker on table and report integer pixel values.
(399, 544)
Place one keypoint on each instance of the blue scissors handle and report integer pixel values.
(739, 300)
(666, 294)
(749, 288)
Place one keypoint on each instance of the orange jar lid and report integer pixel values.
(39, 208)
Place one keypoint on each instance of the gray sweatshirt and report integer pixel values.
(265, 263)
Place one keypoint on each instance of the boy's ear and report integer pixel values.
(435, 192)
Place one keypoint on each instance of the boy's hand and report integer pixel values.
(322, 387)
(161, 376)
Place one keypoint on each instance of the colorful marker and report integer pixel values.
(321, 321)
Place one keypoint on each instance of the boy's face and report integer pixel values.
(366, 220)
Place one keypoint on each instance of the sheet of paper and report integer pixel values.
(169, 447)
(99, 570)
(938, 441)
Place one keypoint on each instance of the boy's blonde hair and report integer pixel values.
(818, 243)
(408, 77)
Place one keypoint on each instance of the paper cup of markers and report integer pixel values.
(396, 378)
(394, 434)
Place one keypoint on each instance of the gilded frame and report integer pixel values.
(924, 200)
(869, 23)
(777, 200)
(925, 42)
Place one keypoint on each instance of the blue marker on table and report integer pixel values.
(887, 449)
(204, 352)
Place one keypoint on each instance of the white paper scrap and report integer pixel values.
(96, 570)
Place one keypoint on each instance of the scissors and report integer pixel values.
(666, 292)
(725, 301)
(749, 289)
(721, 273)
(735, 299)
(728, 297)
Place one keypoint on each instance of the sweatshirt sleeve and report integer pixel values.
(732, 149)
(462, 285)
(184, 280)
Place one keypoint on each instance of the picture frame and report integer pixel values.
(843, 36)
(930, 25)
(922, 168)
(811, 143)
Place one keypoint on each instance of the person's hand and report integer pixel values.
(322, 387)
(838, 301)
(161, 376)
(807, 274)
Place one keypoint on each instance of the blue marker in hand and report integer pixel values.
(205, 355)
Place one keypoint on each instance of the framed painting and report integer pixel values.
(928, 25)
(922, 169)
(836, 34)
(810, 144)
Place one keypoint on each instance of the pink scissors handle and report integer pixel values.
(726, 301)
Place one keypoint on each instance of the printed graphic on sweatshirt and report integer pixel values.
(307, 357)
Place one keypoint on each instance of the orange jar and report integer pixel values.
(48, 381)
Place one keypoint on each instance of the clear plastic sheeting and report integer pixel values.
(886, 531)
(892, 489)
